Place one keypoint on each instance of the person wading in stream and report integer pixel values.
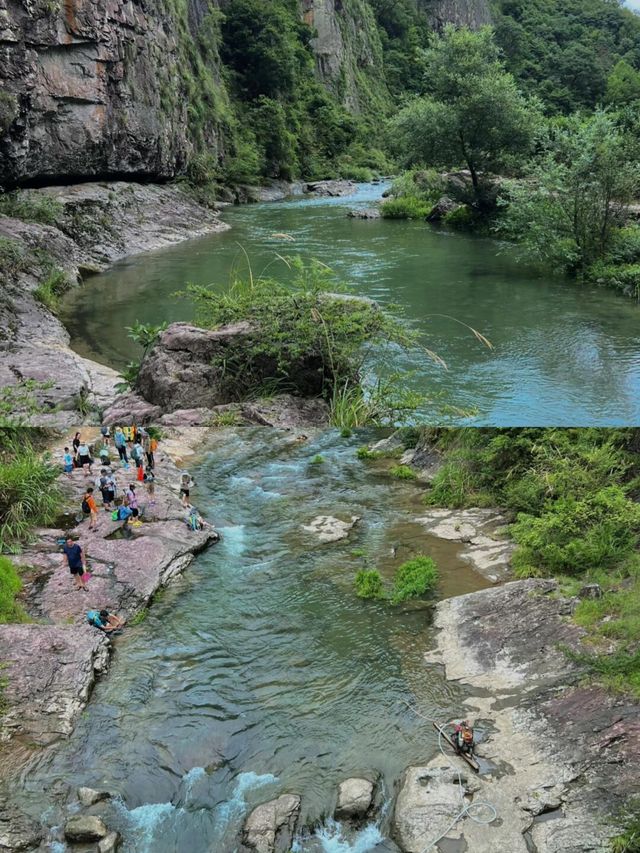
(77, 562)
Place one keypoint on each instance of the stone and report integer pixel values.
(185, 369)
(331, 188)
(130, 407)
(270, 827)
(18, 832)
(330, 529)
(85, 828)
(590, 590)
(442, 207)
(364, 213)
(89, 796)
(109, 843)
(355, 798)
(287, 412)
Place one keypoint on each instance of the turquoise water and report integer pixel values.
(260, 672)
(563, 353)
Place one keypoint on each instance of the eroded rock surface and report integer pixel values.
(481, 531)
(355, 798)
(330, 529)
(270, 827)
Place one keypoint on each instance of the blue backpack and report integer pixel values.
(93, 618)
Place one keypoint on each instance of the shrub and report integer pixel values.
(317, 459)
(50, 290)
(12, 256)
(414, 578)
(462, 218)
(10, 586)
(30, 207)
(369, 584)
(403, 472)
(622, 277)
(365, 453)
(361, 174)
(28, 492)
(406, 207)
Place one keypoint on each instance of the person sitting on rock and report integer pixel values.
(195, 521)
(104, 620)
(463, 737)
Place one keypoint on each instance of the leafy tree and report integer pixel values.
(623, 84)
(473, 114)
(567, 212)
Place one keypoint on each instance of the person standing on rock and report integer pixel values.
(77, 562)
(137, 454)
(77, 441)
(67, 461)
(89, 508)
(121, 445)
(186, 484)
(107, 489)
(104, 432)
(84, 457)
(146, 446)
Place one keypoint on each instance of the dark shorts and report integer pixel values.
(184, 492)
(85, 460)
(107, 496)
(76, 570)
(134, 512)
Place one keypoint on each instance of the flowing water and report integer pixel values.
(260, 672)
(564, 354)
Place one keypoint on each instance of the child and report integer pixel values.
(89, 508)
(186, 484)
(67, 461)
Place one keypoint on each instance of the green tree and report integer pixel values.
(567, 211)
(473, 114)
(623, 84)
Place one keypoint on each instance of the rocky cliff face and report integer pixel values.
(93, 89)
(463, 13)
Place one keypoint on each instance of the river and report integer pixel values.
(563, 353)
(259, 671)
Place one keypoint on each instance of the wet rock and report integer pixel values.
(481, 532)
(330, 529)
(81, 828)
(544, 798)
(364, 213)
(109, 843)
(386, 846)
(355, 798)
(331, 188)
(188, 368)
(270, 827)
(89, 796)
(442, 207)
(18, 832)
(194, 417)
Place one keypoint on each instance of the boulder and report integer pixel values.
(355, 799)
(85, 828)
(330, 529)
(331, 188)
(17, 831)
(441, 208)
(364, 213)
(89, 796)
(590, 590)
(128, 408)
(190, 368)
(287, 412)
(109, 843)
(270, 827)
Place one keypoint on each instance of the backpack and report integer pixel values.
(104, 483)
(114, 515)
(86, 509)
(93, 618)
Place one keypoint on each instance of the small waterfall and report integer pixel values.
(333, 839)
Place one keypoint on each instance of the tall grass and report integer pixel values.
(29, 495)
(10, 586)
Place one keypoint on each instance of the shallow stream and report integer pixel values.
(564, 354)
(260, 672)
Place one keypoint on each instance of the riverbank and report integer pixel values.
(50, 665)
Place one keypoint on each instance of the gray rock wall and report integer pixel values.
(463, 13)
(89, 89)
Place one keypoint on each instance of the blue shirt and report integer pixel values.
(74, 556)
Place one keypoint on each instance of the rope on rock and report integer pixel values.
(468, 809)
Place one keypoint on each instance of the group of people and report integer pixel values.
(133, 445)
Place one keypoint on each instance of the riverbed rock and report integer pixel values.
(270, 827)
(482, 533)
(364, 213)
(355, 799)
(566, 755)
(18, 832)
(109, 843)
(189, 368)
(331, 188)
(330, 529)
(287, 412)
(50, 670)
(130, 408)
(442, 208)
(89, 796)
(81, 828)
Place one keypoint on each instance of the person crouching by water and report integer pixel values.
(76, 560)
(195, 521)
(104, 620)
(462, 737)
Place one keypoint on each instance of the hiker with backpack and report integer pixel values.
(89, 508)
(107, 486)
(121, 445)
(137, 454)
